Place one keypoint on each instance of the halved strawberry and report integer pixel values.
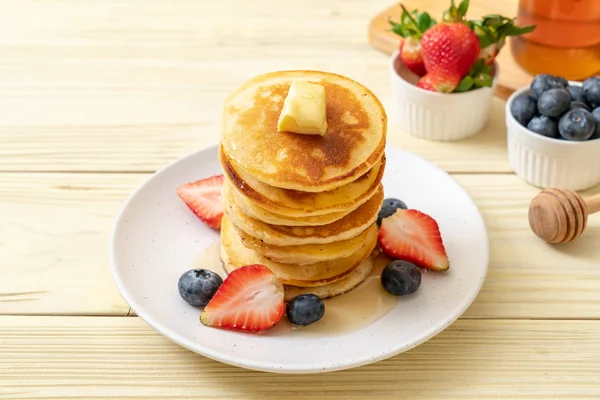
(203, 197)
(413, 236)
(250, 299)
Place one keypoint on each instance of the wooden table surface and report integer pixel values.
(96, 95)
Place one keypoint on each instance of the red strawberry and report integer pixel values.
(437, 83)
(203, 197)
(413, 236)
(250, 299)
(450, 49)
(410, 54)
(410, 28)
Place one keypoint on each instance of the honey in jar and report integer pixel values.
(566, 40)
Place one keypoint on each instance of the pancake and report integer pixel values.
(329, 290)
(299, 204)
(354, 142)
(247, 206)
(308, 253)
(234, 253)
(346, 228)
(336, 288)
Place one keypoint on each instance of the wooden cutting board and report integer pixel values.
(511, 77)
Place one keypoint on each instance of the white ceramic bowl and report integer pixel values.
(545, 162)
(438, 116)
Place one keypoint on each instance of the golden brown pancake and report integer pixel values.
(346, 228)
(308, 253)
(329, 290)
(332, 289)
(300, 204)
(247, 206)
(354, 142)
(235, 254)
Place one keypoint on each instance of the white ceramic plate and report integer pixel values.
(156, 238)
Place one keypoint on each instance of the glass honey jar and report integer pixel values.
(566, 40)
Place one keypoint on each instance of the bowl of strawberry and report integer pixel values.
(444, 73)
(553, 132)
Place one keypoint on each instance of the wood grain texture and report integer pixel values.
(54, 232)
(512, 76)
(95, 95)
(55, 229)
(104, 357)
(133, 85)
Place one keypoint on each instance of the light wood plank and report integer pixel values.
(130, 86)
(60, 357)
(54, 232)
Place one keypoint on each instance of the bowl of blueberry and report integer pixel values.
(553, 132)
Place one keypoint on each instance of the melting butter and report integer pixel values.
(304, 109)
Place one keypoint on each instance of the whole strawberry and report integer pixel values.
(449, 50)
(410, 54)
(411, 27)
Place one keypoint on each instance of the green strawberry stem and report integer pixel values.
(412, 24)
(456, 14)
(494, 28)
(478, 76)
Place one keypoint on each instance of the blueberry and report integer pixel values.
(523, 108)
(591, 87)
(590, 81)
(577, 93)
(544, 125)
(554, 102)
(596, 115)
(305, 309)
(543, 82)
(198, 286)
(389, 207)
(562, 81)
(401, 278)
(578, 104)
(577, 125)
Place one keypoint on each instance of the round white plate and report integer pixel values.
(156, 238)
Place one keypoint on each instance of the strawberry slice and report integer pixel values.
(413, 236)
(250, 299)
(203, 197)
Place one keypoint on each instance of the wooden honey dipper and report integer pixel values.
(560, 215)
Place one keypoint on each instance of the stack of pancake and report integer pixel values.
(305, 206)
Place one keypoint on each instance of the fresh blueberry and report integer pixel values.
(577, 125)
(562, 81)
(198, 286)
(401, 278)
(305, 309)
(590, 81)
(543, 82)
(554, 102)
(523, 108)
(544, 125)
(389, 207)
(591, 87)
(596, 115)
(577, 93)
(578, 104)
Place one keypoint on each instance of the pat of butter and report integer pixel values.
(304, 110)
